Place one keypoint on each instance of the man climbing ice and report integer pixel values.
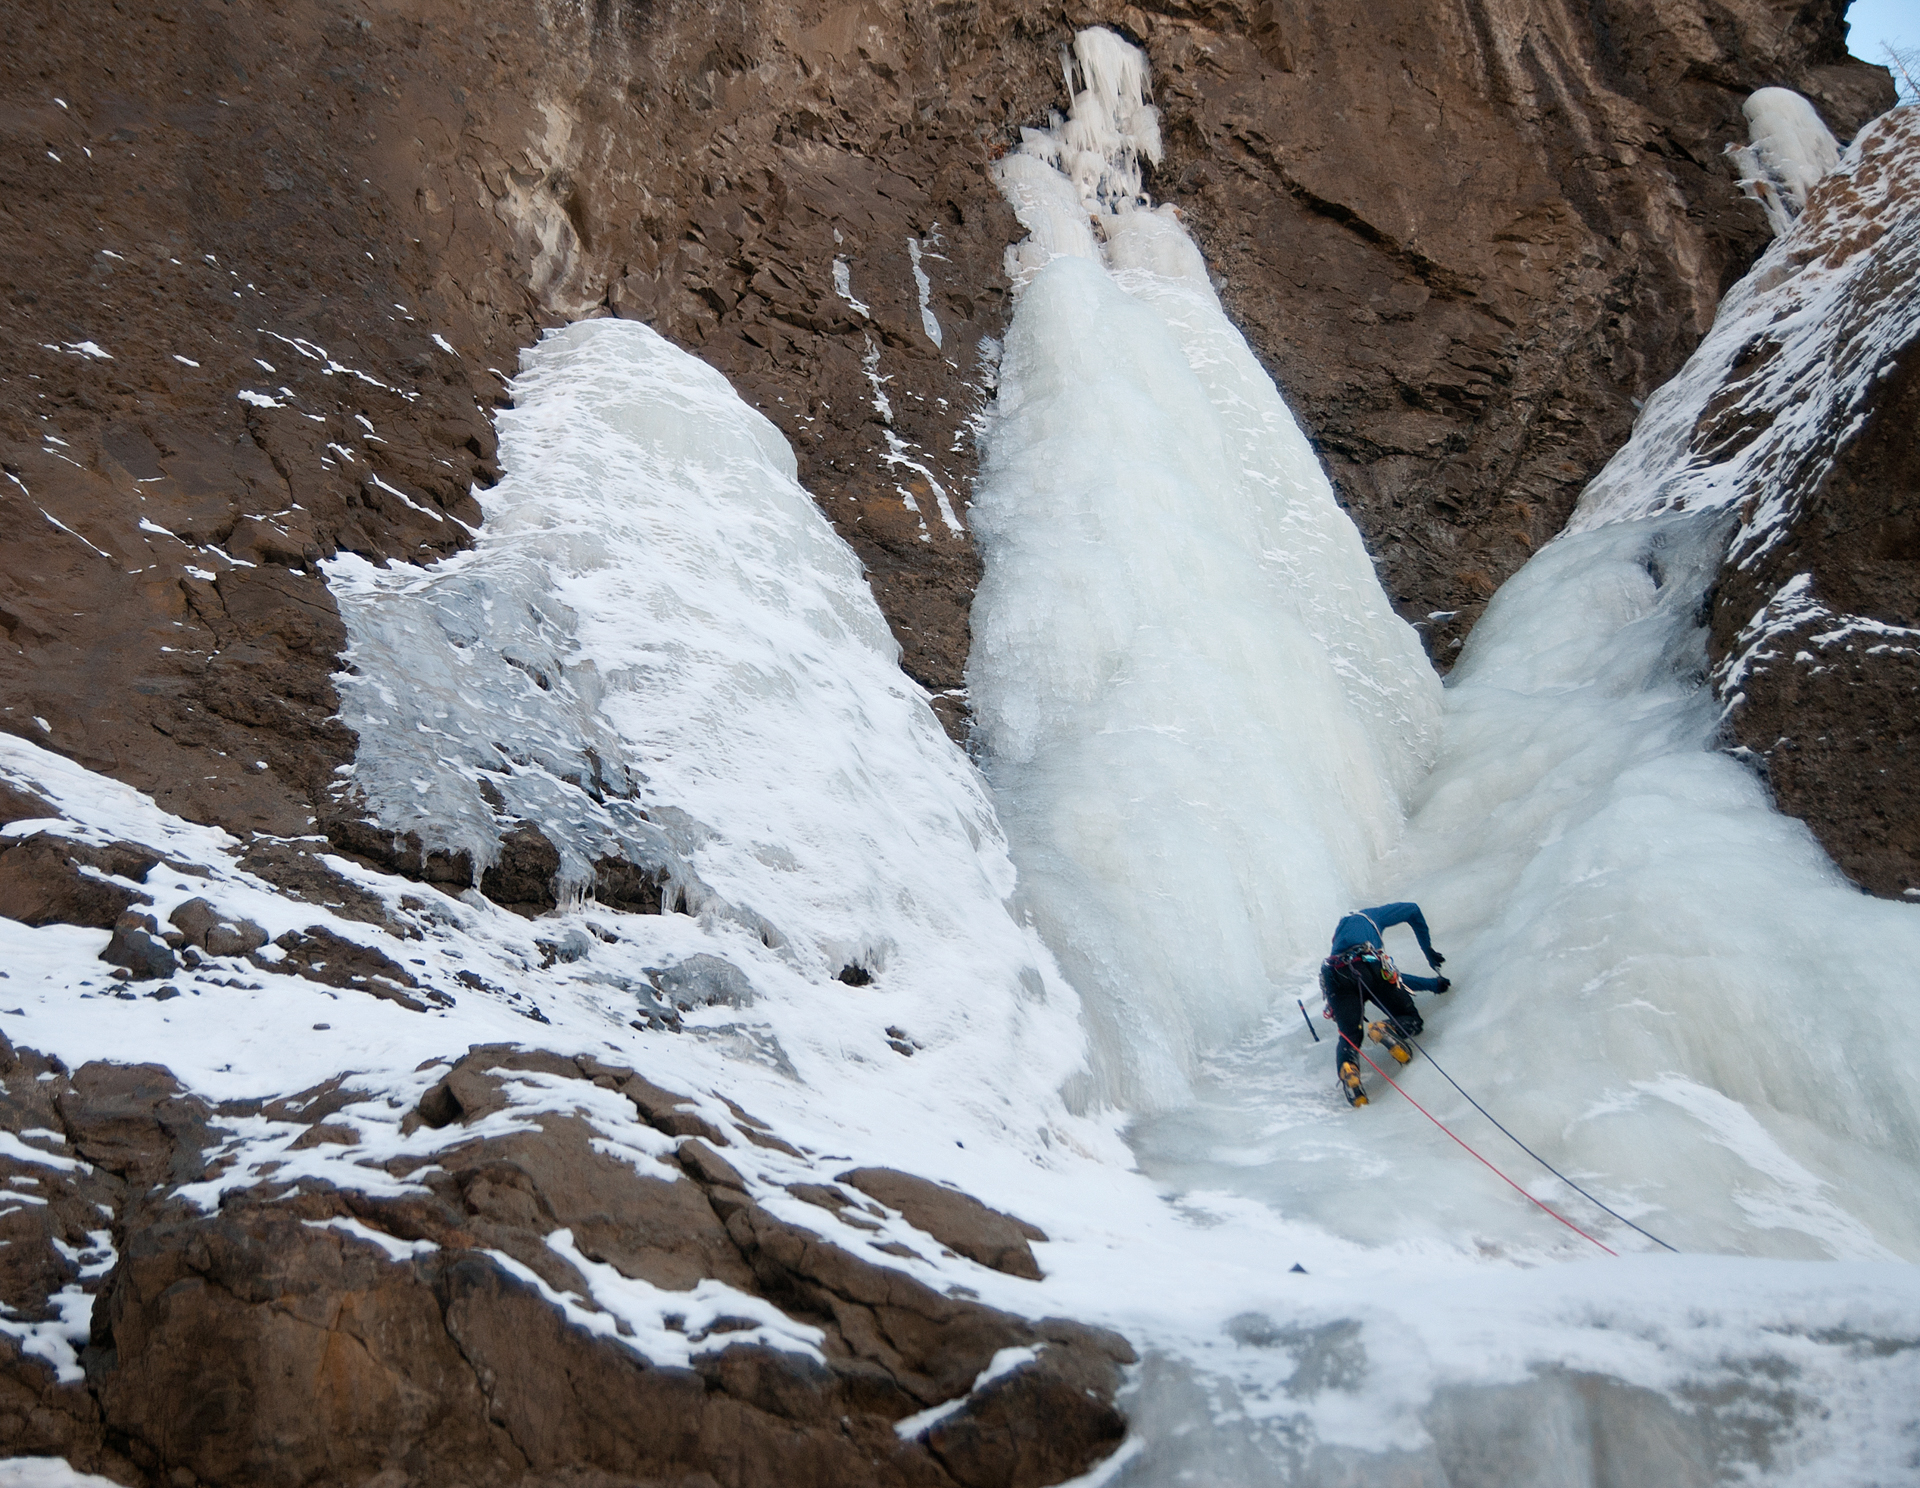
(1360, 971)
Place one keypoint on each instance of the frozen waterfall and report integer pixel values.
(1198, 710)
(658, 649)
(1206, 727)
(1209, 735)
(1661, 981)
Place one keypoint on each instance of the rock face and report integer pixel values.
(271, 267)
(1470, 241)
(443, 1331)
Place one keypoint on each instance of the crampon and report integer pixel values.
(1384, 1033)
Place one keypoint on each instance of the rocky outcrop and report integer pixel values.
(1797, 417)
(515, 1302)
(48, 879)
(1816, 622)
(270, 270)
(955, 1219)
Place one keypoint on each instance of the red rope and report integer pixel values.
(1474, 1155)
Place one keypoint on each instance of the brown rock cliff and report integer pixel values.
(1465, 242)
(1469, 241)
(1816, 618)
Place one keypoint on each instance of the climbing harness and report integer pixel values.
(1351, 962)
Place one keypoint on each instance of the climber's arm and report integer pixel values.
(1408, 914)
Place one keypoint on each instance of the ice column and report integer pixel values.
(1789, 150)
(1198, 709)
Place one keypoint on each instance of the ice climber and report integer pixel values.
(1360, 971)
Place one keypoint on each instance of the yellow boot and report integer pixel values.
(1382, 1033)
(1350, 1085)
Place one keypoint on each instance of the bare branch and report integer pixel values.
(1904, 63)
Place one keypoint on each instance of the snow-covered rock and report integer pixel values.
(1796, 417)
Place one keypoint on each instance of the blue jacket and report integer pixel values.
(1368, 926)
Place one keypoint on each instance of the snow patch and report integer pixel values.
(1004, 1362)
(929, 322)
(843, 286)
(396, 1249)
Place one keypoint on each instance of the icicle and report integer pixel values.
(1083, 172)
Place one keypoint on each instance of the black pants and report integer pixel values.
(1348, 991)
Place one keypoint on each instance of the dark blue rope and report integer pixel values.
(1522, 1145)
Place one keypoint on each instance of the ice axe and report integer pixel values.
(1303, 1013)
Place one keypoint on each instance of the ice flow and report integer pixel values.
(659, 650)
(1199, 713)
(1207, 737)
(1788, 149)
(1205, 727)
(1664, 985)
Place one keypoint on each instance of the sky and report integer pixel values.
(1877, 22)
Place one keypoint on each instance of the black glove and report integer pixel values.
(1436, 960)
(1443, 985)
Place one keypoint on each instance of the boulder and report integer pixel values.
(43, 882)
(322, 955)
(136, 946)
(215, 933)
(957, 1220)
